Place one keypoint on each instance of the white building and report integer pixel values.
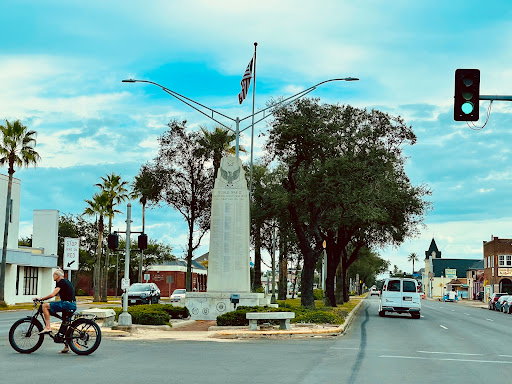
(29, 270)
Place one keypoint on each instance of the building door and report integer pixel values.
(506, 285)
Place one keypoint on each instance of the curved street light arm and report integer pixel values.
(184, 99)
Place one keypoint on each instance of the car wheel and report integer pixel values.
(382, 313)
(415, 315)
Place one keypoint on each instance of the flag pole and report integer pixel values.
(252, 125)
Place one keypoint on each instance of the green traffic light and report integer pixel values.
(467, 107)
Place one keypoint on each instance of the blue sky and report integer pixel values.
(62, 62)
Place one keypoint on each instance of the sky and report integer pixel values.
(62, 63)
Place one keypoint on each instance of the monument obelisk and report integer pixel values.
(228, 259)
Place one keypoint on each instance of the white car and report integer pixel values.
(400, 295)
(178, 295)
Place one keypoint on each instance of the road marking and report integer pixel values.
(442, 326)
(467, 314)
(446, 359)
(422, 316)
(452, 353)
(489, 319)
(504, 356)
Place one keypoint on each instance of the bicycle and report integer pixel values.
(80, 332)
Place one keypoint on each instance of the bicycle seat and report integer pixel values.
(66, 315)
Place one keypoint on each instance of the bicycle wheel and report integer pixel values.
(24, 335)
(84, 336)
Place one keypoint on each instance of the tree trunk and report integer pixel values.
(188, 284)
(141, 259)
(344, 273)
(6, 236)
(97, 269)
(307, 279)
(339, 285)
(257, 257)
(332, 265)
(104, 292)
(283, 266)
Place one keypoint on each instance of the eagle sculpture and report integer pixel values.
(230, 176)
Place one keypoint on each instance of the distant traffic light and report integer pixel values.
(113, 241)
(467, 95)
(142, 241)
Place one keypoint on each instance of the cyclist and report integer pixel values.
(67, 301)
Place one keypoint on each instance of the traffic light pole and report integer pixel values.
(500, 98)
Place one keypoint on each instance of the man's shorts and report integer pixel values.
(59, 306)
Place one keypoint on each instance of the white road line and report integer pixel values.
(489, 319)
(504, 355)
(438, 359)
(467, 314)
(422, 316)
(452, 353)
(442, 326)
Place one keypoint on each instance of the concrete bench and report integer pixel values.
(283, 317)
(102, 314)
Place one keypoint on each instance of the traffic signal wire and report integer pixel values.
(476, 128)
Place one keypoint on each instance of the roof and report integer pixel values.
(461, 265)
(478, 265)
(182, 263)
(433, 248)
(202, 257)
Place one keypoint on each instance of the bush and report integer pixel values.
(237, 318)
(260, 290)
(142, 314)
(318, 294)
(80, 292)
(317, 317)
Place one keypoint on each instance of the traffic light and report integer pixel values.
(467, 95)
(113, 241)
(142, 241)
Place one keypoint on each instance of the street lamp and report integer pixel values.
(273, 108)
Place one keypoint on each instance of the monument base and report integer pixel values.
(209, 305)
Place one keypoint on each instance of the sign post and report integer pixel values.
(71, 255)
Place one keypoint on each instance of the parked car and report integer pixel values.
(480, 296)
(143, 293)
(500, 303)
(178, 295)
(400, 295)
(507, 305)
(493, 299)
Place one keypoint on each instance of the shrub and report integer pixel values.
(80, 292)
(237, 318)
(317, 317)
(318, 294)
(142, 314)
(171, 310)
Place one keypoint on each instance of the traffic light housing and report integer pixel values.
(467, 95)
(142, 241)
(113, 241)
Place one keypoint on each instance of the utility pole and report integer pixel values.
(125, 319)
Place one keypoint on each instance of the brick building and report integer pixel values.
(497, 265)
(172, 275)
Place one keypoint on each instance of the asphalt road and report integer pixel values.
(451, 343)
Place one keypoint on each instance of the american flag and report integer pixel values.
(246, 82)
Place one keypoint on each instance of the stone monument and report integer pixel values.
(228, 259)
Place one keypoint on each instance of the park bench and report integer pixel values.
(283, 317)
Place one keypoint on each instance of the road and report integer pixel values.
(450, 343)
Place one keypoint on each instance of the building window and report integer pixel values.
(501, 260)
(508, 260)
(10, 212)
(30, 281)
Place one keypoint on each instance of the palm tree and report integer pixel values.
(116, 192)
(98, 205)
(217, 144)
(145, 187)
(16, 149)
(413, 257)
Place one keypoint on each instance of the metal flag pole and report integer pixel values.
(252, 124)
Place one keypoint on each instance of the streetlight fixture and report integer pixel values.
(273, 108)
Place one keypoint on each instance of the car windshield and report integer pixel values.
(179, 291)
(140, 288)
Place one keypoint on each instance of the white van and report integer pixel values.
(400, 295)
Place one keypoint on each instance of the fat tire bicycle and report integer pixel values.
(80, 332)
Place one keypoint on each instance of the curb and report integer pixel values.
(335, 331)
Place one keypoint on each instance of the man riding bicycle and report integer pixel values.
(67, 301)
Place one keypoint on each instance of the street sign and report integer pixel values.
(70, 260)
(125, 283)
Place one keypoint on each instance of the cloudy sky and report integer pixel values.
(62, 62)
